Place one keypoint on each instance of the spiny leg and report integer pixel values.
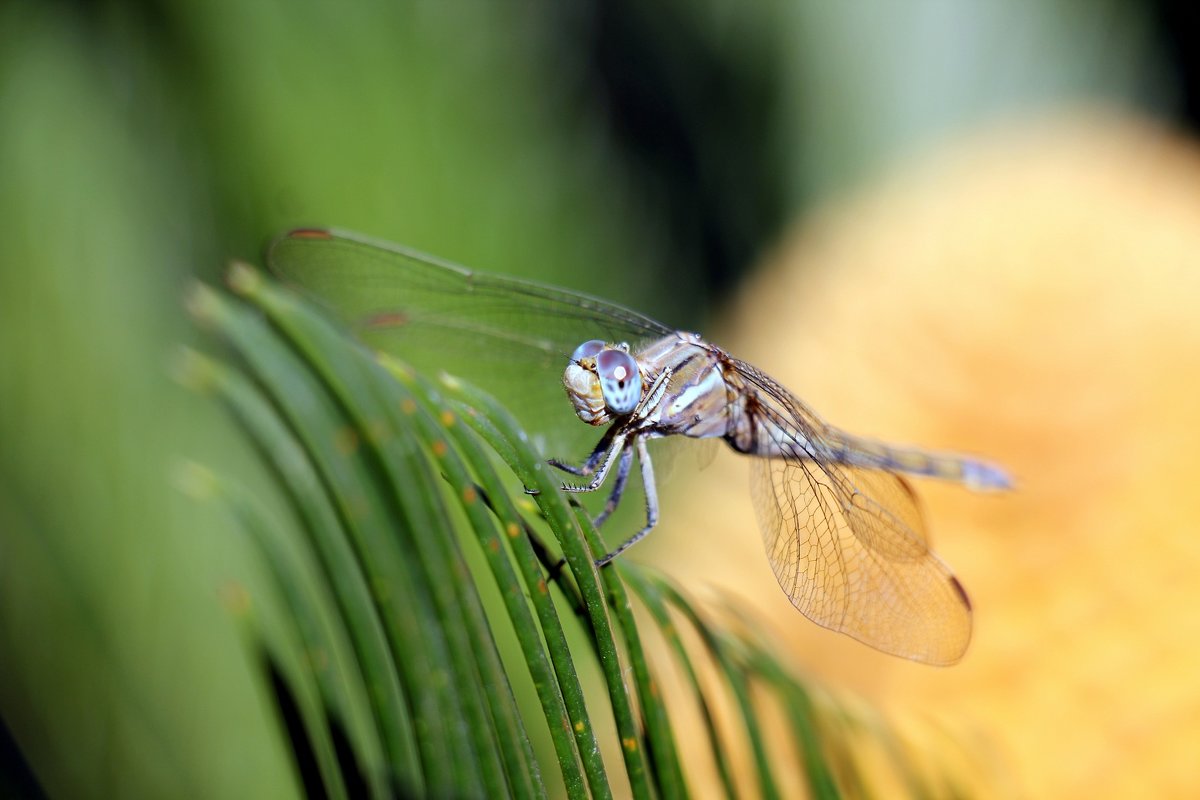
(651, 503)
(588, 466)
(599, 472)
(618, 489)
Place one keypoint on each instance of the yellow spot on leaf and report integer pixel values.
(346, 441)
(318, 659)
(378, 431)
(235, 598)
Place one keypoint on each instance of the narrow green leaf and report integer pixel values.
(399, 586)
(555, 681)
(657, 723)
(298, 649)
(373, 403)
(650, 593)
(798, 704)
(333, 550)
(725, 651)
(500, 430)
(435, 428)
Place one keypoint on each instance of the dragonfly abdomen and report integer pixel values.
(869, 454)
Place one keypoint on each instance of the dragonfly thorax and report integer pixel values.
(603, 381)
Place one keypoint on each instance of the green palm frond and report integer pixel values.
(388, 659)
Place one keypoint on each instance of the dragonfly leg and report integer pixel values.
(600, 471)
(651, 504)
(613, 441)
(588, 466)
(618, 489)
(653, 395)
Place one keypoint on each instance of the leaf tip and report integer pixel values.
(194, 480)
(191, 369)
(201, 302)
(242, 278)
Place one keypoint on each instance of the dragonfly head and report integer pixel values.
(602, 381)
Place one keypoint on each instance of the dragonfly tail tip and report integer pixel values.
(981, 476)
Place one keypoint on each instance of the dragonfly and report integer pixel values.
(843, 530)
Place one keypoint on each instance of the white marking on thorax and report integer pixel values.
(711, 382)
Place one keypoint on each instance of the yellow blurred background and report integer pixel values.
(1029, 295)
(971, 227)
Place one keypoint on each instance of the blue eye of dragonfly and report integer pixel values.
(620, 380)
(588, 349)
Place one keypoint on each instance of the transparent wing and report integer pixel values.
(508, 336)
(848, 544)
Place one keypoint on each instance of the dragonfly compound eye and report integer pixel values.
(588, 349)
(620, 380)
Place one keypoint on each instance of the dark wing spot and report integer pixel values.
(961, 592)
(387, 319)
(309, 233)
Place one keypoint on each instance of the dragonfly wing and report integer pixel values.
(911, 606)
(882, 510)
(510, 337)
(848, 545)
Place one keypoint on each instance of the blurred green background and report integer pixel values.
(648, 153)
